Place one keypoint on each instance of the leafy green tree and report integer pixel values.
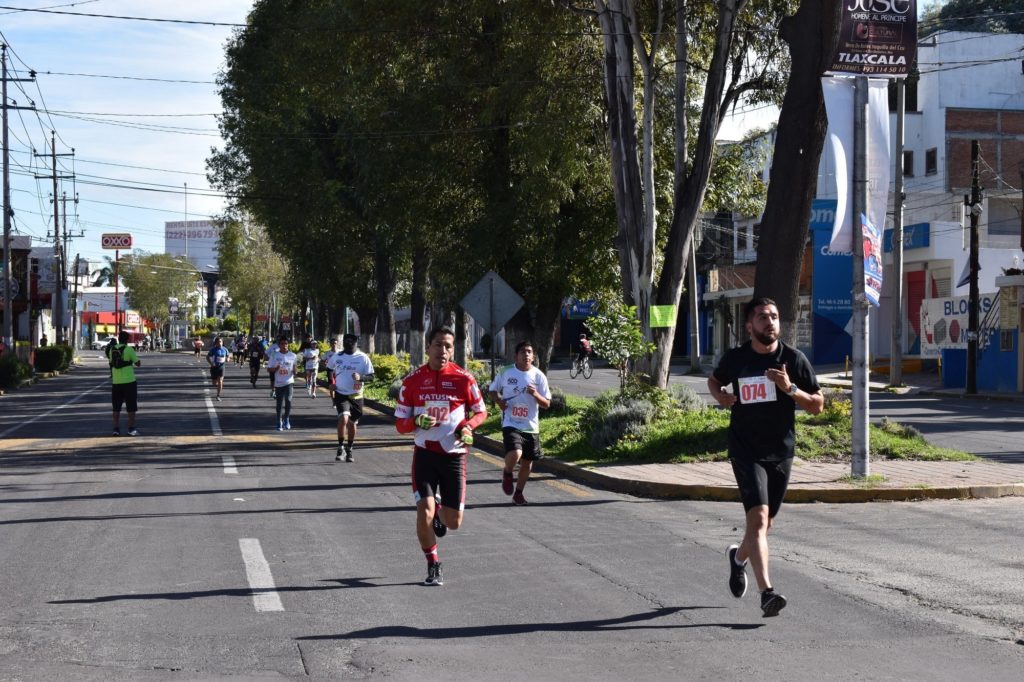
(616, 333)
(104, 276)
(151, 279)
(257, 276)
(704, 59)
(979, 16)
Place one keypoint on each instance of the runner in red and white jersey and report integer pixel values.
(436, 402)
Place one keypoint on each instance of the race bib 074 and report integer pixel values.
(756, 390)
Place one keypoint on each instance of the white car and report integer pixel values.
(100, 344)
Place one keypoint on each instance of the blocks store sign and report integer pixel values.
(944, 322)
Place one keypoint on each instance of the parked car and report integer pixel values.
(101, 343)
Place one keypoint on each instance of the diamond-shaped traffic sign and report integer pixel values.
(492, 302)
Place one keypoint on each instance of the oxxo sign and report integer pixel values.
(116, 240)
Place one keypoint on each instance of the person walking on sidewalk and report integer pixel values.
(521, 391)
(123, 388)
(282, 365)
(218, 359)
(769, 379)
(351, 369)
(435, 402)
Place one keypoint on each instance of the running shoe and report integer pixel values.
(218, 399)
(117, 432)
(280, 425)
(518, 498)
(737, 573)
(288, 424)
(506, 482)
(434, 575)
(771, 603)
(133, 432)
(272, 396)
(341, 454)
(440, 530)
(348, 454)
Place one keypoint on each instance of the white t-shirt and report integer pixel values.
(521, 411)
(283, 365)
(327, 359)
(311, 356)
(343, 365)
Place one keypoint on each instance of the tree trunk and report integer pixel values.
(367, 325)
(689, 193)
(420, 274)
(811, 34)
(627, 186)
(461, 328)
(545, 323)
(385, 279)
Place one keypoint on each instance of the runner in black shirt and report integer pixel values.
(768, 379)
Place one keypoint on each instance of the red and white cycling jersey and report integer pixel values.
(444, 394)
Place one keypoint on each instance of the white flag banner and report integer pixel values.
(839, 108)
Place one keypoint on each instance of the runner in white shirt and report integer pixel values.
(282, 365)
(271, 352)
(352, 368)
(521, 391)
(311, 360)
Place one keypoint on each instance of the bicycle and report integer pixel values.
(581, 366)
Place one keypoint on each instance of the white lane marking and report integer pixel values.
(257, 570)
(214, 422)
(229, 465)
(3, 434)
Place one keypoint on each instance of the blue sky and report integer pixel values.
(107, 115)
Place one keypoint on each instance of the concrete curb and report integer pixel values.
(679, 491)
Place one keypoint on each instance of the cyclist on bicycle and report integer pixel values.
(584, 350)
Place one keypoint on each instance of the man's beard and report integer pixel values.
(766, 338)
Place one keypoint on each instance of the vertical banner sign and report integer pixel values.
(877, 38)
(839, 107)
(872, 260)
(831, 298)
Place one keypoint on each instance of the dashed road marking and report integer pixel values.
(229, 464)
(261, 581)
(214, 422)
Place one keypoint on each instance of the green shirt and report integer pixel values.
(125, 375)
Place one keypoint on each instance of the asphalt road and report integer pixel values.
(993, 429)
(253, 555)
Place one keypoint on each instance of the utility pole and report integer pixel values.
(974, 204)
(860, 446)
(58, 293)
(8, 274)
(73, 303)
(896, 350)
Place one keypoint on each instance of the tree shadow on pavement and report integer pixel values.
(631, 622)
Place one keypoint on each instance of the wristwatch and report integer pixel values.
(792, 389)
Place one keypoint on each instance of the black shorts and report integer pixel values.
(346, 404)
(216, 371)
(433, 472)
(526, 443)
(125, 394)
(762, 482)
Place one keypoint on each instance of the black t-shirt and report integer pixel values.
(255, 353)
(763, 419)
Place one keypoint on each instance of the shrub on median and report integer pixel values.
(13, 371)
(49, 359)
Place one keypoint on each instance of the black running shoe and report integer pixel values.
(506, 482)
(737, 573)
(348, 454)
(771, 603)
(440, 530)
(434, 575)
(518, 498)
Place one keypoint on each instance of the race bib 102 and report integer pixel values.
(756, 390)
(438, 409)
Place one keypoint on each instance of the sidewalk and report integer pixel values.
(810, 481)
